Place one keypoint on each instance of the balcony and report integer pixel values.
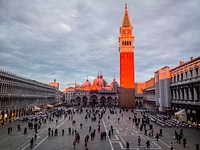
(186, 102)
(186, 81)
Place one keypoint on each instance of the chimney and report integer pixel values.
(191, 58)
(181, 63)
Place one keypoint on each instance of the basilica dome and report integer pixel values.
(87, 83)
(99, 81)
(114, 84)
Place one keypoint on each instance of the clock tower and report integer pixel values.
(127, 73)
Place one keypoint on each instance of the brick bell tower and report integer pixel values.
(127, 73)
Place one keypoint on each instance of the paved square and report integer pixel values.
(124, 130)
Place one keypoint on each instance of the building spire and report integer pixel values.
(126, 21)
(126, 6)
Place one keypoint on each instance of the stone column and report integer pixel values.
(177, 94)
(1, 88)
(190, 94)
(195, 93)
(173, 96)
(185, 94)
(199, 93)
(181, 96)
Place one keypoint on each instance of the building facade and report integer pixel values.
(18, 95)
(139, 87)
(149, 94)
(185, 88)
(162, 89)
(98, 93)
(127, 72)
(175, 89)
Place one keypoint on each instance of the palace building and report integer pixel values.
(18, 95)
(185, 88)
(127, 72)
(175, 89)
(97, 93)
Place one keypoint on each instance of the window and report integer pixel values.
(178, 77)
(181, 76)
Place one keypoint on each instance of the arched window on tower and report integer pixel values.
(122, 42)
(129, 42)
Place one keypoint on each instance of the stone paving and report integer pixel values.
(124, 131)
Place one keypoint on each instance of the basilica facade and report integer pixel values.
(97, 93)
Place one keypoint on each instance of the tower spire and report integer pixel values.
(126, 21)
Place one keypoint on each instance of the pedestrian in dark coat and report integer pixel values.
(127, 145)
(31, 143)
(139, 140)
(196, 146)
(148, 144)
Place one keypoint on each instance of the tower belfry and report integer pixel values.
(127, 73)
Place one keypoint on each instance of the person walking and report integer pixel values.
(49, 132)
(148, 144)
(111, 127)
(25, 130)
(81, 125)
(35, 136)
(196, 146)
(160, 132)
(127, 145)
(109, 133)
(63, 132)
(86, 141)
(90, 128)
(139, 140)
(171, 146)
(31, 143)
(157, 136)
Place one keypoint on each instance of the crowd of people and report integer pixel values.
(141, 121)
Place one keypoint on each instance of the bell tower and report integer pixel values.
(127, 73)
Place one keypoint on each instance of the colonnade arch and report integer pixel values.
(93, 100)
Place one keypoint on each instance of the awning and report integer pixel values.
(49, 106)
(35, 108)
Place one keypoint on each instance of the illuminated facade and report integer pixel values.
(162, 89)
(55, 84)
(127, 75)
(149, 94)
(139, 87)
(18, 95)
(98, 93)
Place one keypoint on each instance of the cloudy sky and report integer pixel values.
(70, 39)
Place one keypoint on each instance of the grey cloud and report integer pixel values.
(69, 40)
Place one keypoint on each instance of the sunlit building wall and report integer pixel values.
(162, 89)
(97, 93)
